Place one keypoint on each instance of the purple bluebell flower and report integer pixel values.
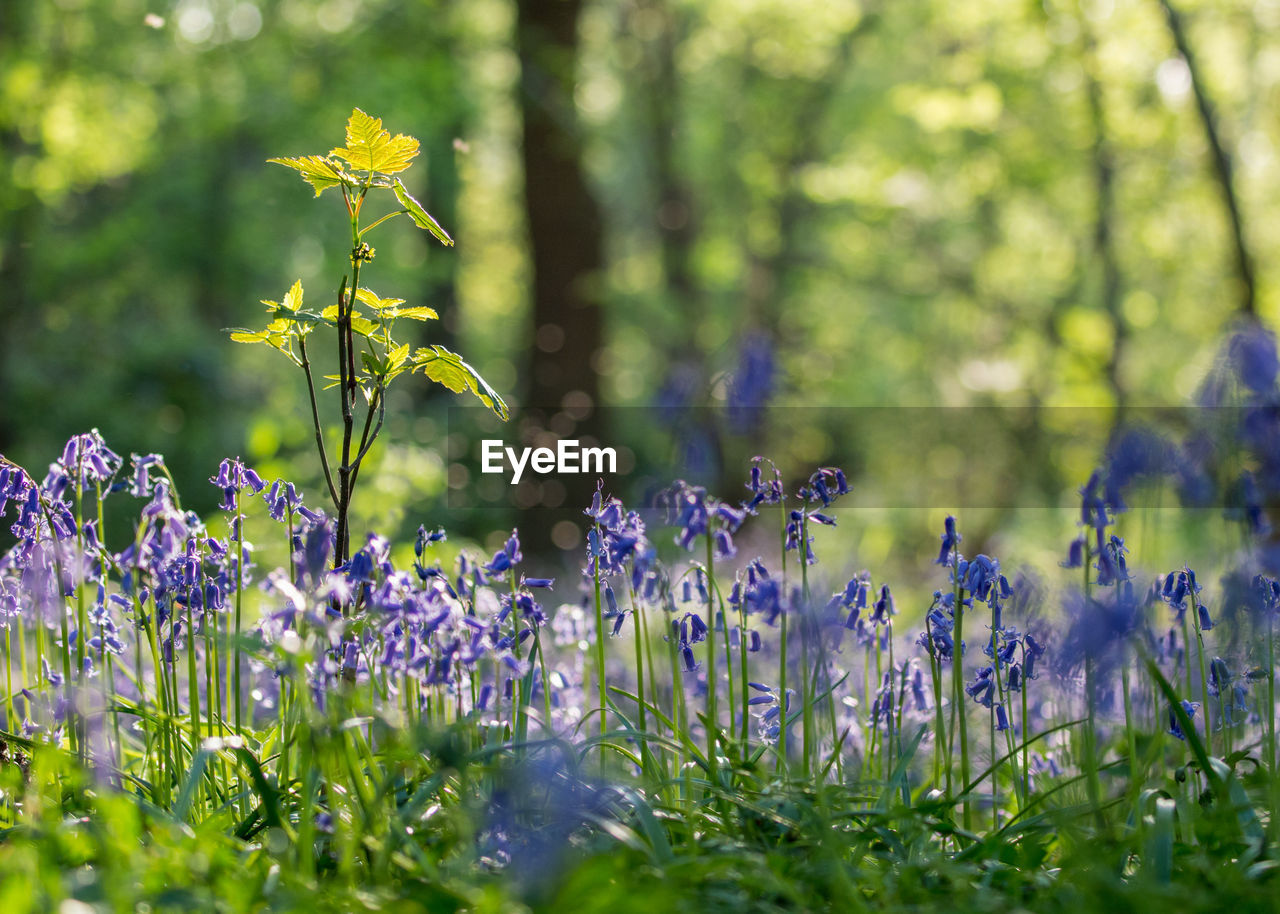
(1075, 553)
(917, 690)
(763, 491)
(982, 689)
(1219, 677)
(752, 383)
(686, 654)
(883, 610)
(1002, 718)
(1190, 707)
(950, 541)
(1252, 352)
(427, 538)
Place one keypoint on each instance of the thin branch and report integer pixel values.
(344, 470)
(367, 439)
(315, 419)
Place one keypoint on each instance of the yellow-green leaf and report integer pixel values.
(249, 336)
(370, 298)
(414, 314)
(370, 148)
(293, 298)
(421, 218)
(317, 171)
(448, 368)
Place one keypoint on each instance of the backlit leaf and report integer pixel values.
(249, 336)
(293, 298)
(318, 171)
(370, 148)
(371, 298)
(448, 368)
(421, 218)
(414, 314)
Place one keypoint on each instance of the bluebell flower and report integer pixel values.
(1002, 719)
(507, 557)
(983, 688)
(1098, 629)
(763, 491)
(752, 383)
(825, 485)
(1133, 452)
(1238, 705)
(883, 610)
(1219, 676)
(1093, 506)
(1111, 566)
(232, 478)
(1190, 707)
(686, 654)
(427, 538)
(917, 690)
(1075, 554)
(141, 483)
(1252, 352)
(87, 459)
(950, 541)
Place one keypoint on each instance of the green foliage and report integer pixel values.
(371, 156)
(374, 151)
(318, 171)
(421, 218)
(448, 368)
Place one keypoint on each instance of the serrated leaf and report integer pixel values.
(318, 171)
(363, 326)
(371, 298)
(249, 336)
(414, 314)
(370, 148)
(421, 218)
(448, 368)
(293, 298)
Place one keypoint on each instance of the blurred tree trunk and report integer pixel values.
(19, 209)
(1223, 168)
(1104, 221)
(673, 204)
(441, 274)
(565, 240)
